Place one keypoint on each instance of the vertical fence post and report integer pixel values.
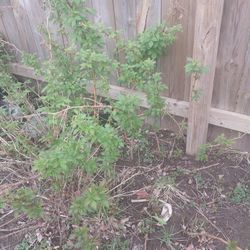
(206, 40)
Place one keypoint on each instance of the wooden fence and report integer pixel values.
(216, 32)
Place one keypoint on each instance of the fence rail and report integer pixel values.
(225, 24)
(217, 117)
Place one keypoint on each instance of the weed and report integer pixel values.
(200, 182)
(232, 245)
(220, 142)
(240, 194)
(145, 153)
(177, 153)
(182, 129)
(117, 243)
(146, 226)
(2, 203)
(170, 179)
(82, 239)
(166, 238)
(24, 200)
(165, 180)
(196, 95)
(24, 245)
(194, 67)
(30, 242)
(223, 141)
(202, 153)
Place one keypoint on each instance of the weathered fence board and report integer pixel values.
(105, 14)
(31, 16)
(172, 65)
(125, 17)
(10, 28)
(231, 84)
(206, 41)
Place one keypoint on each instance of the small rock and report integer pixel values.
(190, 181)
(190, 247)
(11, 109)
(221, 176)
(35, 127)
(39, 236)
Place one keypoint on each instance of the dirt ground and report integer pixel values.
(208, 208)
(210, 201)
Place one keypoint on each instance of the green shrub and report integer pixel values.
(25, 201)
(94, 200)
(75, 149)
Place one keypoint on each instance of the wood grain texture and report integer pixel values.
(142, 12)
(125, 17)
(206, 42)
(231, 84)
(3, 30)
(35, 17)
(24, 27)
(105, 15)
(154, 13)
(172, 64)
(9, 22)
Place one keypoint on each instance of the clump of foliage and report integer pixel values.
(232, 245)
(73, 158)
(29, 242)
(94, 200)
(117, 243)
(195, 67)
(166, 238)
(81, 238)
(240, 194)
(24, 200)
(220, 143)
(138, 70)
(203, 153)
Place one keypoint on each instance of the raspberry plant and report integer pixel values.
(74, 156)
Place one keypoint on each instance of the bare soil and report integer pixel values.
(207, 213)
